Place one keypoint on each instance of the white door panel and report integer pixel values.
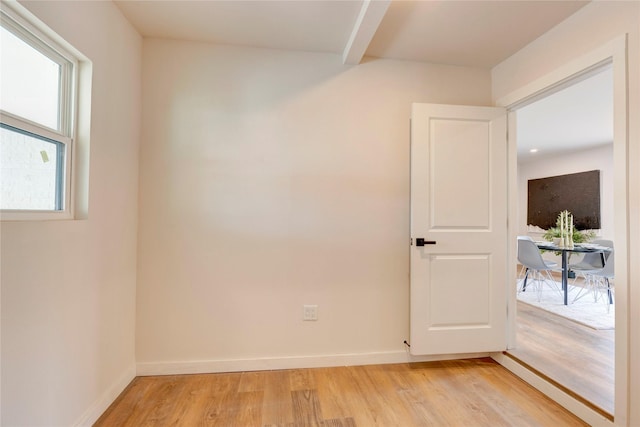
(458, 201)
(456, 147)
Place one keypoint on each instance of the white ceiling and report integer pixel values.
(475, 33)
(472, 33)
(319, 26)
(575, 118)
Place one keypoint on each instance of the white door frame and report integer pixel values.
(613, 52)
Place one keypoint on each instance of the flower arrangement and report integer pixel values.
(565, 228)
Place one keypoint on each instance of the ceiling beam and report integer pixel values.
(364, 29)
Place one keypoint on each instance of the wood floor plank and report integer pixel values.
(221, 400)
(346, 422)
(225, 383)
(330, 391)
(378, 379)
(460, 404)
(419, 394)
(169, 398)
(302, 379)
(129, 401)
(576, 356)
(306, 408)
(474, 392)
(363, 399)
(191, 402)
(277, 406)
(146, 412)
(476, 385)
(519, 406)
(247, 410)
(252, 381)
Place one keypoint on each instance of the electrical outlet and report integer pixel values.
(309, 312)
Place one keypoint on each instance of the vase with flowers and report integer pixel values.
(566, 232)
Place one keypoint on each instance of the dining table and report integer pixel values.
(564, 251)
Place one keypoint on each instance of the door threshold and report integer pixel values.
(595, 408)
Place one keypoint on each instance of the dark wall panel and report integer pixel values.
(579, 193)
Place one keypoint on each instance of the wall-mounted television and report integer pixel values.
(579, 193)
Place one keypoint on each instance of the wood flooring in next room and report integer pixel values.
(578, 358)
(476, 392)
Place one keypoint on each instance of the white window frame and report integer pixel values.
(65, 133)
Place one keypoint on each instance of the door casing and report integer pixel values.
(614, 53)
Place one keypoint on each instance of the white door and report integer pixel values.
(458, 229)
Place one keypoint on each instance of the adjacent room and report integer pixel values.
(567, 137)
(314, 203)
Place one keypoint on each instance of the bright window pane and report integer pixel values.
(29, 172)
(29, 82)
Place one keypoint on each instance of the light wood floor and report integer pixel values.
(575, 356)
(475, 392)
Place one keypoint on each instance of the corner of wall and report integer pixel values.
(97, 408)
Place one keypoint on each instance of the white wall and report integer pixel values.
(68, 287)
(590, 28)
(599, 158)
(272, 179)
(268, 180)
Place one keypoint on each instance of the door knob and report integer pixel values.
(420, 241)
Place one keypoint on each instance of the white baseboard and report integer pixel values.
(556, 394)
(98, 407)
(294, 362)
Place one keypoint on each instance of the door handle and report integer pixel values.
(421, 242)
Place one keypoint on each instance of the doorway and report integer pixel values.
(571, 73)
(567, 132)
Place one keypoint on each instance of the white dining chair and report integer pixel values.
(595, 274)
(599, 281)
(602, 280)
(537, 270)
(591, 261)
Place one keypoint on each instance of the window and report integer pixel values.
(37, 83)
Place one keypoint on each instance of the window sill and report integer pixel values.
(23, 215)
